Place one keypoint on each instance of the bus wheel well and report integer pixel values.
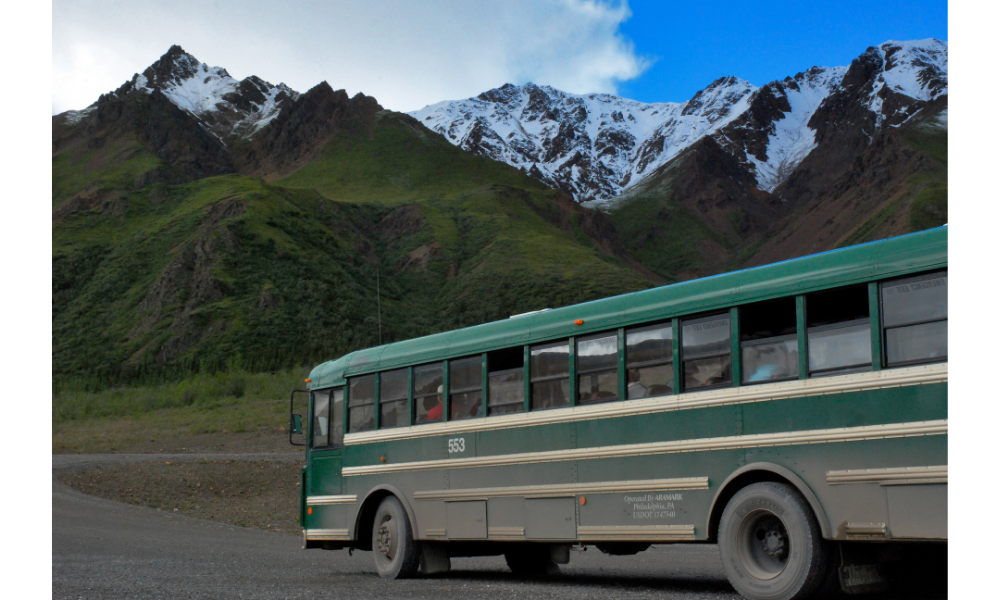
(738, 483)
(366, 519)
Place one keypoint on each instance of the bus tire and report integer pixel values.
(397, 554)
(771, 544)
(531, 560)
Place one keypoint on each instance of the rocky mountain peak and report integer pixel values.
(227, 108)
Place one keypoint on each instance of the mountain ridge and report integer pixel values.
(595, 146)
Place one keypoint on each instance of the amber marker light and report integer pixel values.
(582, 500)
(578, 322)
(308, 380)
(310, 510)
(383, 459)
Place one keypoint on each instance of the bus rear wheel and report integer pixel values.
(530, 560)
(397, 555)
(771, 545)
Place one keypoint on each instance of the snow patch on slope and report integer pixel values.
(793, 139)
(918, 69)
(75, 116)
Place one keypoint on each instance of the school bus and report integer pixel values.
(795, 414)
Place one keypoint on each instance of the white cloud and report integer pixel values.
(405, 54)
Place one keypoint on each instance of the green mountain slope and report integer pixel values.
(234, 271)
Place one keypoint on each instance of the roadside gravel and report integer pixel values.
(254, 490)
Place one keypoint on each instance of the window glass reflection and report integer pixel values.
(840, 348)
(654, 344)
(550, 360)
(917, 343)
(337, 425)
(705, 336)
(506, 392)
(361, 404)
(915, 319)
(321, 419)
(550, 394)
(915, 299)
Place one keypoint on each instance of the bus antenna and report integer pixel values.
(378, 299)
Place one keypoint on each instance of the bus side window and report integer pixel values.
(915, 319)
(706, 352)
(550, 375)
(768, 341)
(839, 331)
(428, 398)
(393, 395)
(465, 384)
(321, 419)
(649, 360)
(337, 419)
(597, 368)
(506, 381)
(361, 404)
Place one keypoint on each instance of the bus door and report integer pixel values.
(326, 442)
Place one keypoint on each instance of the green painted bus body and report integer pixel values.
(910, 510)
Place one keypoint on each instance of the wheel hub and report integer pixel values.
(385, 540)
(774, 544)
(763, 544)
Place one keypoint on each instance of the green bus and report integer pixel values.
(795, 414)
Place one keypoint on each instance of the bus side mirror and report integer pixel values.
(296, 424)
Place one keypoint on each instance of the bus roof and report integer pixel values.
(855, 264)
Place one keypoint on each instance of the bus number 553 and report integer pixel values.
(456, 445)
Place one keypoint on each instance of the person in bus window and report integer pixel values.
(636, 389)
(435, 404)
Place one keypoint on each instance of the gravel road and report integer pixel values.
(105, 549)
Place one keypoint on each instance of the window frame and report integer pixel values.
(598, 371)
(570, 345)
(381, 402)
(843, 369)
(312, 420)
(671, 324)
(795, 336)
(513, 403)
(414, 397)
(726, 314)
(373, 404)
(480, 360)
(884, 329)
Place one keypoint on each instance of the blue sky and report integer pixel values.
(693, 43)
(409, 54)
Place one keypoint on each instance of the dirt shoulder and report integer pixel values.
(257, 493)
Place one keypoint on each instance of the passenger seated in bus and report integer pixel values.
(434, 405)
(636, 389)
(708, 373)
(769, 362)
(475, 410)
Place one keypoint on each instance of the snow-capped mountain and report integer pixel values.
(228, 108)
(595, 146)
(200, 121)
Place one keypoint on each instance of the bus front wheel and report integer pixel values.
(771, 545)
(397, 555)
